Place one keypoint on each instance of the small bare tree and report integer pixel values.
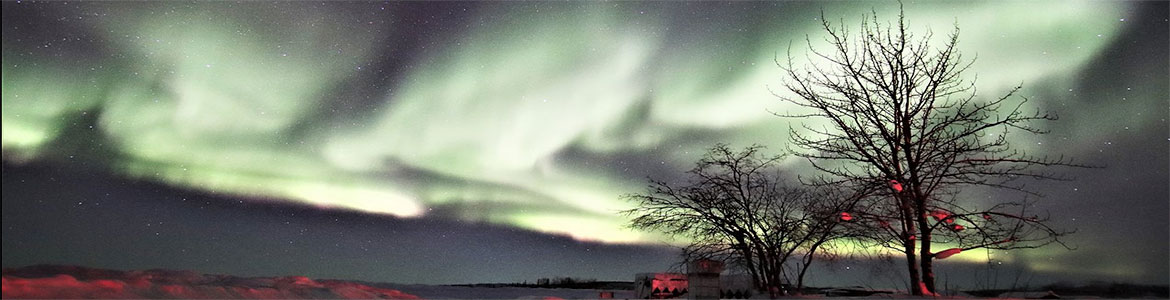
(828, 221)
(902, 118)
(734, 208)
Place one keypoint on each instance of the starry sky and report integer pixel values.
(458, 142)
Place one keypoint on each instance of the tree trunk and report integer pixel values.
(800, 277)
(908, 229)
(928, 273)
(808, 260)
(749, 260)
(774, 277)
(927, 262)
(765, 264)
(925, 257)
(912, 268)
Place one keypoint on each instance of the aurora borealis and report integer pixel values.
(455, 141)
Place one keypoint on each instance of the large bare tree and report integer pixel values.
(735, 208)
(902, 116)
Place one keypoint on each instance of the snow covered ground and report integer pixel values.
(464, 292)
(70, 282)
(60, 282)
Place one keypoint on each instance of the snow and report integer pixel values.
(466, 292)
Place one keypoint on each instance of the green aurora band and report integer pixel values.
(477, 129)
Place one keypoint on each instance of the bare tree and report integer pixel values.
(903, 119)
(828, 221)
(734, 208)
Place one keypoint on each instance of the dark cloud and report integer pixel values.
(92, 219)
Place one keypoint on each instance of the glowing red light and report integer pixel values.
(846, 216)
(947, 253)
(897, 186)
(942, 215)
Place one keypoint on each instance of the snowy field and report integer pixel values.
(465, 292)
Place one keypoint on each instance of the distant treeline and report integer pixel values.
(562, 283)
(1092, 289)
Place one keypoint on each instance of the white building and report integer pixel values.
(703, 280)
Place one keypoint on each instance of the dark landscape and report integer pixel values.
(585, 149)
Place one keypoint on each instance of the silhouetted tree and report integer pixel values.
(904, 123)
(734, 208)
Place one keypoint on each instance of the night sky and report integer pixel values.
(461, 142)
